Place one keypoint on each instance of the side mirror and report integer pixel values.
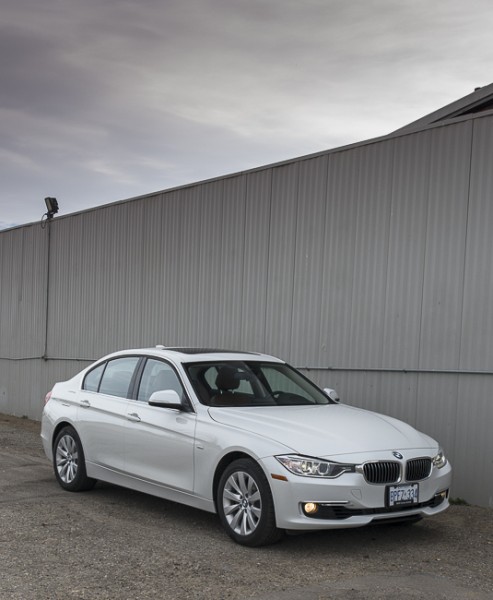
(166, 399)
(332, 394)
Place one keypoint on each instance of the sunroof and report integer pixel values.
(207, 351)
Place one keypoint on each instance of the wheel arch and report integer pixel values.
(58, 428)
(223, 464)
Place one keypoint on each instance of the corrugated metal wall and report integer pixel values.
(370, 267)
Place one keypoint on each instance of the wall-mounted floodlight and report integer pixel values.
(52, 206)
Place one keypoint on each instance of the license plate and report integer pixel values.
(403, 495)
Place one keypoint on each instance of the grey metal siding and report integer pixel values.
(229, 293)
(339, 260)
(445, 247)
(371, 255)
(23, 269)
(255, 259)
(406, 252)
(282, 257)
(473, 440)
(477, 324)
(309, 261)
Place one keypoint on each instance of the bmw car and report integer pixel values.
(243, 435)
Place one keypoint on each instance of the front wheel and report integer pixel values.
(69, 462)
(245, 505)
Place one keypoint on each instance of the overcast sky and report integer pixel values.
(102, 100)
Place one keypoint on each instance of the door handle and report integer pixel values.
(134, 417)
(85, 403)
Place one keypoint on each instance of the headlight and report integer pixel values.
(314, 467)
(440, 460)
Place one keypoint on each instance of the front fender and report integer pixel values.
(215, 442)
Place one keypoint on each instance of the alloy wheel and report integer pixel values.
(242, 503)
(67, 459)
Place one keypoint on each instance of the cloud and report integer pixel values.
(107, 99)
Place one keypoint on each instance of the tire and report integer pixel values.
(69, 462)
(245, 506)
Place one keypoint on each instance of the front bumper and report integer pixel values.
(348, 501)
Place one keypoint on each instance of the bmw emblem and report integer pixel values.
(398, 455)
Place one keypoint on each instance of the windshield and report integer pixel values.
(238, 383)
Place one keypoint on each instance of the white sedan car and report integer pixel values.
(241, 434)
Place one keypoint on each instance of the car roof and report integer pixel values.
(192, 354)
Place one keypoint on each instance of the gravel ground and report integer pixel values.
(113, 543)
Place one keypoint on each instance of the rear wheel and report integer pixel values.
(245, 505)
(69, 462)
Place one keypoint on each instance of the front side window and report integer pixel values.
(238, 383)
(158, 375)
(117, 376)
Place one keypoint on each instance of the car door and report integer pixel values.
(102, 414)
(159, 442)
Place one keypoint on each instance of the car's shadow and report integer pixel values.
(363, 541)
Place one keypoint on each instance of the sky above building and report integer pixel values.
(103, 100)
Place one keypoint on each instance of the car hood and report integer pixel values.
(325, 430)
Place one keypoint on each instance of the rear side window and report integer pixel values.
(92, 379)
(112, 378)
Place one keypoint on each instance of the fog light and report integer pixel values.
(439, 498)
(310, 508)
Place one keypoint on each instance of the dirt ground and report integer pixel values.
(113, 543)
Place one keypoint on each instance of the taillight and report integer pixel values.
(47, 397)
